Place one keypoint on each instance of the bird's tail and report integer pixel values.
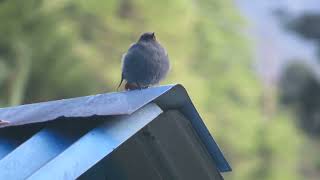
(120, 82)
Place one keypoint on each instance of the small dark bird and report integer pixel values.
(145, 64)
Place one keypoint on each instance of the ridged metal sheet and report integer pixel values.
(95, 145)
(107, 104)
(104, 105)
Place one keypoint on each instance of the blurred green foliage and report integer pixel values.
(52, 49)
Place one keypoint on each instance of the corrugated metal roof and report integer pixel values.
(119, 103)
(89, 107)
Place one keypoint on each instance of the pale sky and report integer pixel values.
(274, 45)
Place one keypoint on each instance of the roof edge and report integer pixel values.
(177, 98)
(119, 103)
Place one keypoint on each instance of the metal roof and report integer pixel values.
(84, 109)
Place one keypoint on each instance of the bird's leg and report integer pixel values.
(131, 86)
(127, 86)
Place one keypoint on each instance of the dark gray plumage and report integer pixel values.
(145, 64)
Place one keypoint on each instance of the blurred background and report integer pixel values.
(250, 67)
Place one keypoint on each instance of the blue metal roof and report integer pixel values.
(104, 105)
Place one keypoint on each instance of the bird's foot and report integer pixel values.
(131, 86)
(134, 86)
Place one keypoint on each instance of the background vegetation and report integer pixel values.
(53, 49)
(299, 91)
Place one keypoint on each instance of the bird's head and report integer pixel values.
(148, 36)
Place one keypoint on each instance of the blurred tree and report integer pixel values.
(300, 85)
(37, 55)
(307, 26)
(53, 49)
(300, 90)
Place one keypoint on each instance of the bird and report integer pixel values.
(145, 64)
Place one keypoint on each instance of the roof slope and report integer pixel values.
(120, 103)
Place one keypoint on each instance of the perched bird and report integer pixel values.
(145, 64)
